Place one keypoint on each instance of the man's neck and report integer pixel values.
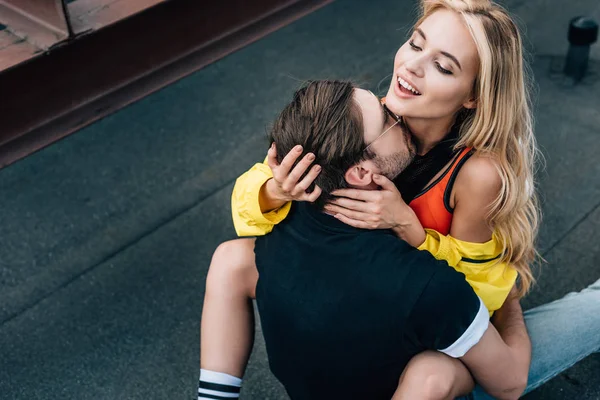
(308, 212)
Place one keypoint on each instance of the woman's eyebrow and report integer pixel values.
(450, 56)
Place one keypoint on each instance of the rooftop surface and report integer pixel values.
(107, 234)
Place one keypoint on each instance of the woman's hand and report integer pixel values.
(371, 209)
(378, 209)
(286, 184)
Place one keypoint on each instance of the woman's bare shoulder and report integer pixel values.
(477, 187)
(479, 176)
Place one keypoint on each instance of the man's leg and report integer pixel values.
(227, 327)
(562, 333)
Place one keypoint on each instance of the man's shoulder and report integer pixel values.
(448, 316)
(389, 245)
(449, 283)
(384, 238)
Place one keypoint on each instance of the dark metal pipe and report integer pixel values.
(582, 33)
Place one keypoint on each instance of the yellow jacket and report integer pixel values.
(490, 279)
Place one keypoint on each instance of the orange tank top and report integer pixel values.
(432, 205)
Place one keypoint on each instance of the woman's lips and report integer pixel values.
(402, 92)
(408, 85)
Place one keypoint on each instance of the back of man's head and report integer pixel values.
(325, 119)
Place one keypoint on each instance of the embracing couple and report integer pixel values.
(395, 235)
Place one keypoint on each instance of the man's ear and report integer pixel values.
(358, 176)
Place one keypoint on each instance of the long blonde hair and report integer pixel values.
(502, 127)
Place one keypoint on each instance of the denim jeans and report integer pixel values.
(562, 333)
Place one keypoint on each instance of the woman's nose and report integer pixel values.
(415, 66)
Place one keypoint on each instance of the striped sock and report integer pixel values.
(218, 386)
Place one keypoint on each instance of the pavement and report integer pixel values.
(107, 234)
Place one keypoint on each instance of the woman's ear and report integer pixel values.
(358, 176)
(471, 103)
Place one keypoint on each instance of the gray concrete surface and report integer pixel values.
(107, 235)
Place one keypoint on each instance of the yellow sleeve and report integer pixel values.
(490, 279)
(248, 220)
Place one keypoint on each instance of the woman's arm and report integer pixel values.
(476, 188)
(262, 196)
(490, 279)
(470, 248)
(378, 209)
(286, 184)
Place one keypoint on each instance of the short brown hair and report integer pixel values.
(324, 118)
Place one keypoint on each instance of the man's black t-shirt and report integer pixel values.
(343, 310)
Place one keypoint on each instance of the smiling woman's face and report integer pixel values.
(440, 63)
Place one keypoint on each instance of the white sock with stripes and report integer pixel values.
(218, 386)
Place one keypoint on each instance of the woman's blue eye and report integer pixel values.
(443, 70)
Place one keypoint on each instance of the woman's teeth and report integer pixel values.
(405, 85)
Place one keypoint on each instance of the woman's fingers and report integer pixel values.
(355, 215)
(355, 205)
(305, 183)
(272, 157)
(299, 170)
(353, 222)
(287, 163)
(358, 194)
(312, 197)
(288, 178)
(384, 182)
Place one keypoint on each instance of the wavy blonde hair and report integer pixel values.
(502, 127)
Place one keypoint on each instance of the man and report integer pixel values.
(343, 310)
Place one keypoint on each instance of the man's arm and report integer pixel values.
(499, 362)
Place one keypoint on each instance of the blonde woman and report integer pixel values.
(460, 73)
